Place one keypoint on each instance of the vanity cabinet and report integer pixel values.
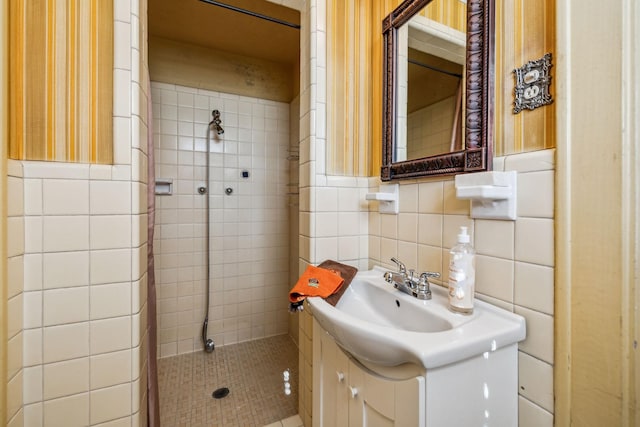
(348, 394)
(478, 391)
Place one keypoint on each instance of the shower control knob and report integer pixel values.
(340, 376)
(202, 190)
(228, 190)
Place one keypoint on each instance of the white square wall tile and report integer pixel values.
(494, 238)
(65, 197)
(110, 197)
(536, 194)
(110, 335)
(532, 161)
(535, 380)
(348, 199)
(110, 266)
(33, 197)
(110, 300)
(32, 272)
(32, 385)
(33, 233)
(121, 93)
(67, 411)
(494, 277)
(110, 231)
(348, 248)
(532, 415)
(65, 342)
(15, 196)
(65, 233)
(326, 199)
(121, 45)
(110, 369)
(408, 254)
(539, 341)
(14, 397)
(535, 241)
(451, 228)
(65, 269)
(430, 259)
(33, 415)
(430, 229)
(15, 276)
(15, 354)
(32, 309)
(431, 197)
(66, 378)
(389, 226)
(326, 248)
(534, 287)
(14, 315)
(32, 347)
(453, 205)
(61, 306)
(326, 224)
(348, 223)
(388, 250)
(408, 198)
(15, 236)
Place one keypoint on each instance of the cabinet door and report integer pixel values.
(379, 402)
(331, 405)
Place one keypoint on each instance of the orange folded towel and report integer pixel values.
(314, 282)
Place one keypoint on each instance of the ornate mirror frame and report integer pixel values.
(479, 92)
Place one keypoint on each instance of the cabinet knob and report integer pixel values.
(353, 391)
(340, 376)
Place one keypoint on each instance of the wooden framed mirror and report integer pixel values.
(475, 98)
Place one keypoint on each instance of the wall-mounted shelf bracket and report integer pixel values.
(389, 198)
(492, 194)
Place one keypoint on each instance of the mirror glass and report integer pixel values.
(430, 85)
(437, 92)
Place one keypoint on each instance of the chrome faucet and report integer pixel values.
(407, 282)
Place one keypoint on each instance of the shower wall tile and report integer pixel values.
(248, 228)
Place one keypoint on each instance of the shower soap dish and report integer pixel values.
(164, 186)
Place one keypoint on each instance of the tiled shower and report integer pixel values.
(250, 199)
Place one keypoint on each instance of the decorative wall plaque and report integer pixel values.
(532, 84)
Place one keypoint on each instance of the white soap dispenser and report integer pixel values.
(462, 274)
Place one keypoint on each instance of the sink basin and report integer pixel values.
(378, 324)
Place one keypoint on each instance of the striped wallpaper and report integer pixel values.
(354, 79)
(61, 80)
(524, 31)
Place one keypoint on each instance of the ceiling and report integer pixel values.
(214, 27)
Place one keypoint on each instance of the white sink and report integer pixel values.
(378, 324)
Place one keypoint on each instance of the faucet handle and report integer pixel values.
(401, 266)
(423, 286)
